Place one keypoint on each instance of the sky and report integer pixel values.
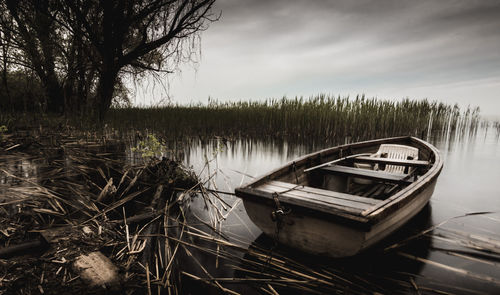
(447, 50)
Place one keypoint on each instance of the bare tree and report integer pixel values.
(80, 48)
(37, 36)
(5, 51)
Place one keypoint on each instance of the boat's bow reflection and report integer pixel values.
(385, 267)
(263, 264)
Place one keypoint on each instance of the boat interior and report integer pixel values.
(356, 182)
(373, 175)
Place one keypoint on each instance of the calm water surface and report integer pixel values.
(449, 259)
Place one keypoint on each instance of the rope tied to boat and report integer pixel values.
(294, 167)
(278, 214)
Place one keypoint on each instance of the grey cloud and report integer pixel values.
(359, 17)
(267, 48)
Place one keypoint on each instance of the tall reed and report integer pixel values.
(320, 118)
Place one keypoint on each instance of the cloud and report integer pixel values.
(263, 49)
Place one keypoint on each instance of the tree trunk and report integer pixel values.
(5, 67)
(55, 95)
(104, 95)
(6, 87)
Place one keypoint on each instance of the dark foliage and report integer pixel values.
(80, 51)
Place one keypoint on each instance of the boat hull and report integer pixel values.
(329, 221)
(319, 236)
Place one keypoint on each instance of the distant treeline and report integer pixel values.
(323, 117)
(21, 92)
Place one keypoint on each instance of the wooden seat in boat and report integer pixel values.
(404, 163)
(367, 174)
(401, 155)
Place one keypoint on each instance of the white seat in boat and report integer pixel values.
(389, 151)
(398, 152)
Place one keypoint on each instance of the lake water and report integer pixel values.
(460, 256)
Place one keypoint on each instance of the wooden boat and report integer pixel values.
(342, 200)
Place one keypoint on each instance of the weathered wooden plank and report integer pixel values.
(411, 163)
(379, 191)
(297, 194)
(326, 193)
(330, 212)
(313, 202)
(372, 190)
(368, 174)
(324, 199)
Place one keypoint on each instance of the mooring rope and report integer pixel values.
(294, 167)
(277, 217)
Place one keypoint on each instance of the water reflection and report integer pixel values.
(43, 173)
(441, 260)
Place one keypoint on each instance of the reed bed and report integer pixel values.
(86, 198)
(321, 118)
(496, 126)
